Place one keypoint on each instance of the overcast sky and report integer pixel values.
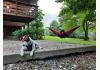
(50, 9)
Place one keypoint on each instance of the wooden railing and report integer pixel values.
(19, 9)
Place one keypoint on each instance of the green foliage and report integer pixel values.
(54, 24)
(85, 10)
(35, 28)
(19, 33)
(47, 32)
(79, 5)
(37, 32)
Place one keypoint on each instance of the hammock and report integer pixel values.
(62, 33)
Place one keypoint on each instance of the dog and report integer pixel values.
(28, 45)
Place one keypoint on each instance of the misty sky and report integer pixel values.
(50, 9)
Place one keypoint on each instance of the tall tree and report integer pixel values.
(74, 7)
(36, 26)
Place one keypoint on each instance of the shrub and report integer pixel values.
(19, 33)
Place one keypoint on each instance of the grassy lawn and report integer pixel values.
(69, 40)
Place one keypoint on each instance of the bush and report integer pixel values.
(76, 35)
(19, 33)
(34, 34)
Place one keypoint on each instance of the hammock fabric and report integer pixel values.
(63, 33)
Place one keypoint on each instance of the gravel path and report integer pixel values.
(82, 61)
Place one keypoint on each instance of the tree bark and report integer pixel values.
(86, 35)
(85, 28)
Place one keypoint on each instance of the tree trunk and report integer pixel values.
(85, 28)
(86, 35)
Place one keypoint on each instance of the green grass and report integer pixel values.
(69, 40)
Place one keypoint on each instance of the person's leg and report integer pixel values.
(22, 50)
(33, 49)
